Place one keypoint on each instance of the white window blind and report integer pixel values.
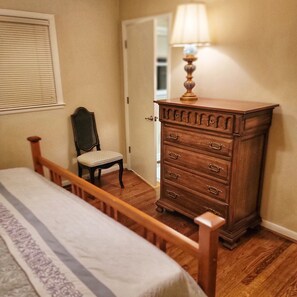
(27, 74)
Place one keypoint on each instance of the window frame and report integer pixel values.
(55, 60)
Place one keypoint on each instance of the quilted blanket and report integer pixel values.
(61, 246)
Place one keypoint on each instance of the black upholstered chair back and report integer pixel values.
(84, 130)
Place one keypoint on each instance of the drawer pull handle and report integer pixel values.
(173, 175)
(215, 146)
(173, 156)
(172, 195)
(214, 168)
(213, 190)
(172, 136)
(214, 211)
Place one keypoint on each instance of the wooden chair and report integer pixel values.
(87, 144)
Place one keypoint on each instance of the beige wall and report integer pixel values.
(88, 42)
(253, 57)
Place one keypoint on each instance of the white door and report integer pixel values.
(140, 86)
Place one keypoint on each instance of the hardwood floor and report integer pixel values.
(264, 264)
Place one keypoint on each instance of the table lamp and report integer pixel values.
(190, 30)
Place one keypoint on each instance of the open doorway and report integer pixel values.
(162, 66)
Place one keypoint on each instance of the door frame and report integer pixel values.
(125, 24)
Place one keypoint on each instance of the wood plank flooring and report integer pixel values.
(264, 264)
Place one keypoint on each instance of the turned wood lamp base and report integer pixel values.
(189, 83)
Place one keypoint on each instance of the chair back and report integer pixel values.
(84, 130)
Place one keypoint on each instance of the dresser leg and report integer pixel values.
(160, 209)
(255, 228)
(230, 244)
(231, 240)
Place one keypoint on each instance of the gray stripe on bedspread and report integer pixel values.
(85, 276)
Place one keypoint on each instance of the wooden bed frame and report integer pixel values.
(205, 250)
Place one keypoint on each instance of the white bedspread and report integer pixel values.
(68, 248)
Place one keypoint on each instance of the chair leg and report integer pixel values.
(121, 173)
(79, 170)
(99, 174)
(92, 175)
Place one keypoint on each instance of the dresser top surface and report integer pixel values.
(220, 104)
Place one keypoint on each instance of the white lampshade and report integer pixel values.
(190, 25)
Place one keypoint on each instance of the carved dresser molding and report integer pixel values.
(212, 159)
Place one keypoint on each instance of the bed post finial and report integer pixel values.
(36, 154)
(209, 225)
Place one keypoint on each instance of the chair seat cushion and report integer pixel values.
(97, 158)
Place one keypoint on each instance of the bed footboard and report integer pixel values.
(205, 250)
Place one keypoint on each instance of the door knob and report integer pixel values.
(151, 118)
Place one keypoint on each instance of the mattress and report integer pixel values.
(59, 245)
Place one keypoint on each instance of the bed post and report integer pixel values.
(35, 149)
(209, 225)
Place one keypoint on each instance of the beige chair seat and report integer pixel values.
(97, 158)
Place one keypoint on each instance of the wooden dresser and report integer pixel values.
(212, 159)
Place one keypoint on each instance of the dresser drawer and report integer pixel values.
(204, 186)
(191, 203)
(197, 163)
(213, 144)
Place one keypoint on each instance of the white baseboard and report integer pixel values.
(280, 230)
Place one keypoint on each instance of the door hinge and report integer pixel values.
(126, 43)
(129, 149)
(128, 100)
